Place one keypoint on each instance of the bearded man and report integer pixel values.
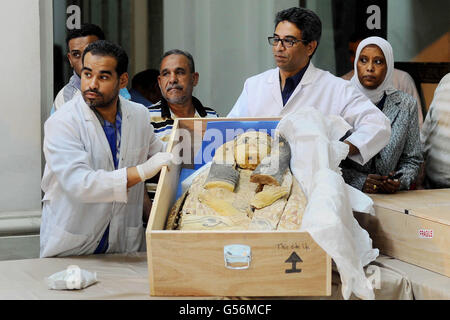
(99, 149)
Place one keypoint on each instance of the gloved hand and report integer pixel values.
(153, 165)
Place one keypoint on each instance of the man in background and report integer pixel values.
(145, 88)
(77, 40)
(177, 80)
(435, 137)
(296, 83)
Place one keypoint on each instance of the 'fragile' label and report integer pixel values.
(426, 233)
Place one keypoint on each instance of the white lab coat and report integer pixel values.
(83, 192)
(261, 97)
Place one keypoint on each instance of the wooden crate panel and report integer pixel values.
(192, 264)
(421, 237)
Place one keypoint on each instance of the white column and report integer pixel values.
(24, 65)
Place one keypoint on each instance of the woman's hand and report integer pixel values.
(390, 185)
(374, 183)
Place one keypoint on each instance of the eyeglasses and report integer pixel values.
(287, 43)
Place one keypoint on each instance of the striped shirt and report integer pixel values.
(68, 92)
(435, 136)
(162, 118)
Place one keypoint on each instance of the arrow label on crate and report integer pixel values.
(294, 259)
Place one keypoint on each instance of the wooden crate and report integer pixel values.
(192, 263)
(413, 226)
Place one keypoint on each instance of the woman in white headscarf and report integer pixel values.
(397, 165)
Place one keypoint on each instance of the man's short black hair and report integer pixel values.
(106, 48)
(86, 29)
(183, 53)
(306, 20)
(145, 79)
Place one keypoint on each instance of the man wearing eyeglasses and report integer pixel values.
(296, 82)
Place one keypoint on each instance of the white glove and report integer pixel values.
(153, 165)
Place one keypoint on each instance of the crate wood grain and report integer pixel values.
(192, 264)
(412, 226)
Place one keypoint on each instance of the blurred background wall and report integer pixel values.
(228, 40)
(25, 91)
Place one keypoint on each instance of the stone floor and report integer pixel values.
(19, 247)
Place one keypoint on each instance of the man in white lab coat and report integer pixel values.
(297, 83)
(77, 40)
(99, 148)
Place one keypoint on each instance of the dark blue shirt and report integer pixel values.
(137, 97)
(291, 84)
(112, 132)
(113, 135)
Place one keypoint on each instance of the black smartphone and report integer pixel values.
(396, 176)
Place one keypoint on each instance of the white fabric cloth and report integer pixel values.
(315, 156)
(261, 97)
(387, 86)
(83, 192)
(435, 136)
